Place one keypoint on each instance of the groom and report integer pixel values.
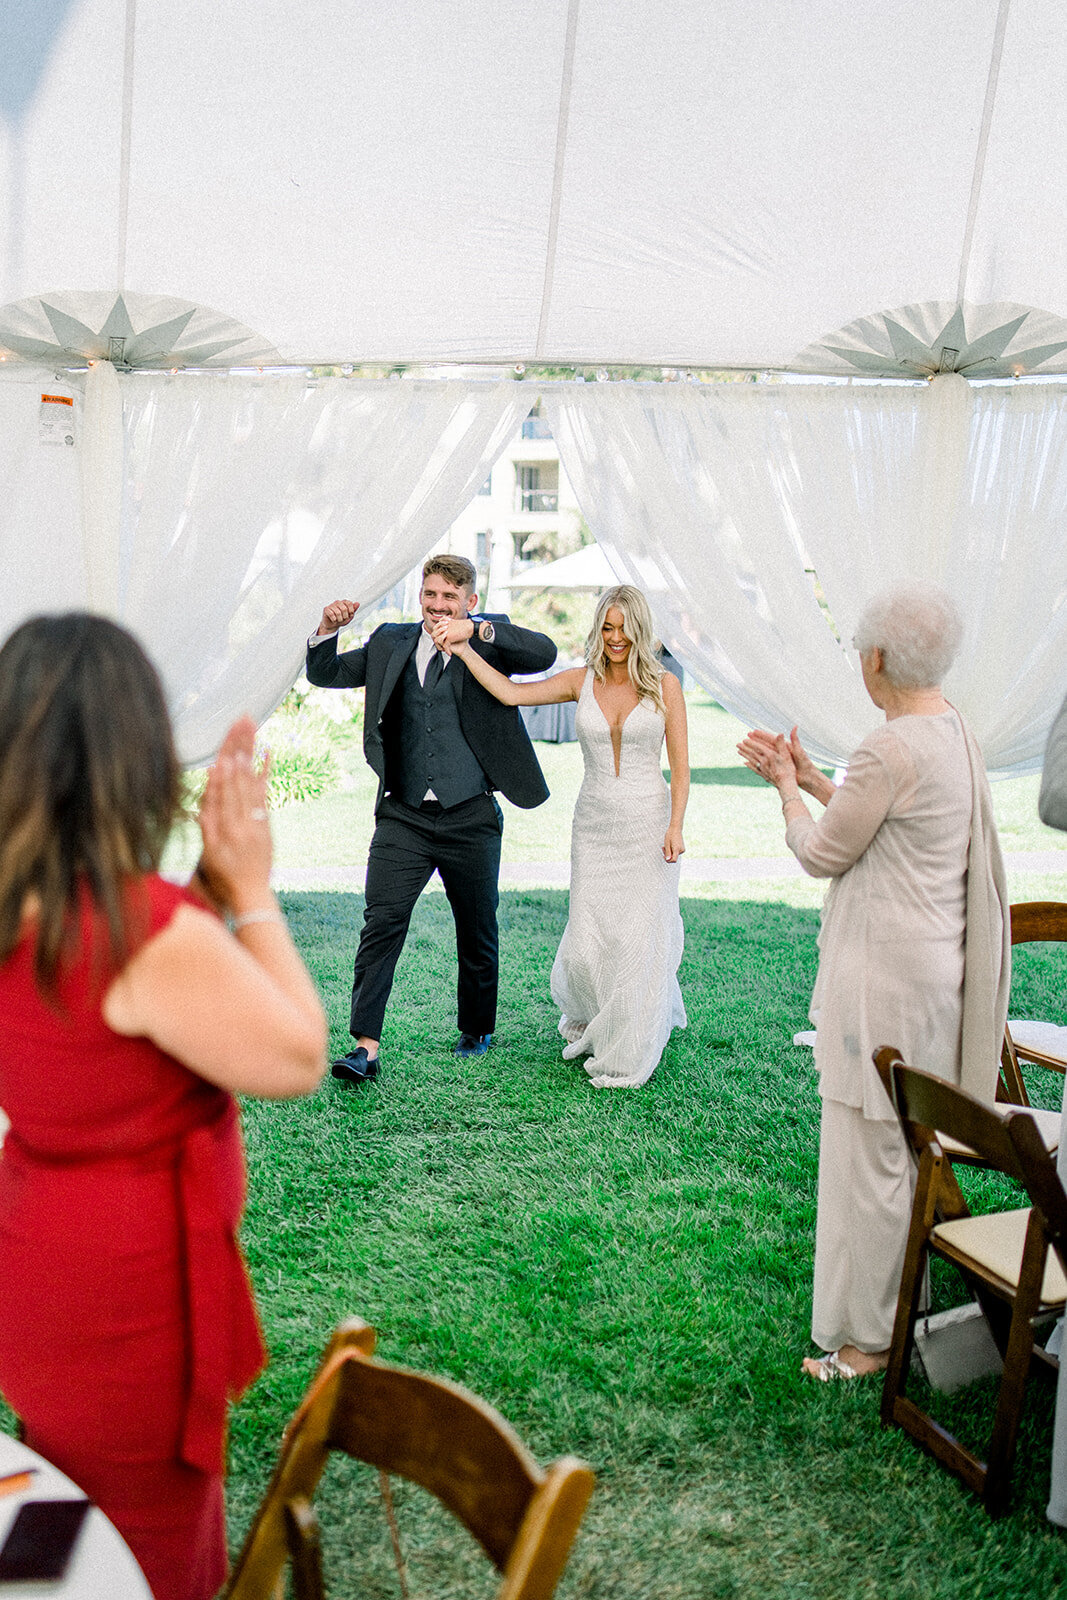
(439, 744)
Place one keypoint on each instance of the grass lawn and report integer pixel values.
(732, 813)
(626, 1276)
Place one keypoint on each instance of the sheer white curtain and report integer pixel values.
(719, 499)
(245, 504)
(250, 503)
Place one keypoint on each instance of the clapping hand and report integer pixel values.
(770, 756)
(809, 776)
(234, 867)
(764, 752)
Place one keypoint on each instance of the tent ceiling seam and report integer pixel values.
(566, 78)
(983, 144)
(124, 152)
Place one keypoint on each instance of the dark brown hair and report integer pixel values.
(89, 780)
(457, 569)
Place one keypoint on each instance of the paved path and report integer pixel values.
(713, 869)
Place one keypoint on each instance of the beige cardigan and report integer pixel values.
(915, 948)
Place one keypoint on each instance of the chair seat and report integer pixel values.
(1048, 1126)
(995, 1243)
(1045, 1040)
(1013, 1263)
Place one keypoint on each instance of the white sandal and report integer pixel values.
(828, 1368)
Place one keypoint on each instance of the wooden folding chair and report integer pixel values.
(1004, 1258)
(433, 1433)
(1032, 922)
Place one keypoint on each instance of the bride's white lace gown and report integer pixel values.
(615, 970)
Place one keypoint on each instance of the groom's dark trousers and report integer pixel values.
(463, 844)
(450, 737)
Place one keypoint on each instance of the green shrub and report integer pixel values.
(303, 744)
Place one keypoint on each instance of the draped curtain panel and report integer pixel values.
(761, 518)
(219, 516)
(214, 515)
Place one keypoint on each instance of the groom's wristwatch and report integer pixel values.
(486, 632)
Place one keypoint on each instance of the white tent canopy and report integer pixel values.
(489, 196)
(638, 181)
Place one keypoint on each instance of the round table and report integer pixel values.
(101, 1563)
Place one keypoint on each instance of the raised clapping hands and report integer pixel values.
(771, 757)
(762, 752)
(338, 614)
(234, 868)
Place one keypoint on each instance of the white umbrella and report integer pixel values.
(587, 568)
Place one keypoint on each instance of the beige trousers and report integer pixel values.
(866, 1184)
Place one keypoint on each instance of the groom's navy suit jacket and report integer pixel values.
(496, 733)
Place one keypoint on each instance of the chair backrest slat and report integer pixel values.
(434, 1434)
(1005, 1137)
(1034, 921)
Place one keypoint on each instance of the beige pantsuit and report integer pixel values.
(917, 904)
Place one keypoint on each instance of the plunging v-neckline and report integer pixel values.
(617, 754)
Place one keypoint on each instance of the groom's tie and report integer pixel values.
(434, 671)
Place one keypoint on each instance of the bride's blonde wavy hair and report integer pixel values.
(646, 673)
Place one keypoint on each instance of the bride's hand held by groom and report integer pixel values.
(454, 637)
(451, 633)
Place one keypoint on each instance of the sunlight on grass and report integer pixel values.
(626, 1276)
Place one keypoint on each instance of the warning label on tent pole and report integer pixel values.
(56, 423)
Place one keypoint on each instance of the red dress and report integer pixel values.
(126, 1317)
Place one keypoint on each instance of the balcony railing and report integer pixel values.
(536, 500)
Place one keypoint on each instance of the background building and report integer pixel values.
(525, 513)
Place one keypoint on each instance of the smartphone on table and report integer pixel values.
(41, 1539)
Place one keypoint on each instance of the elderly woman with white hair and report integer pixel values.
(914, 951)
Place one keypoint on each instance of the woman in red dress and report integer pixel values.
(129, 1015)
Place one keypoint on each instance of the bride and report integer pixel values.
(615, 973)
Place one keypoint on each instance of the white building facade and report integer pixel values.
(525, 513)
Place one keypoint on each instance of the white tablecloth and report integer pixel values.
(101, 1566)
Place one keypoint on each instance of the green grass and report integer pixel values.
(626, 1276)
(731, 812)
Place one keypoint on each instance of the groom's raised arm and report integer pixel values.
(515, 649)
(323, 666)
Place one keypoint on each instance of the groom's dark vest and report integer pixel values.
(424, 743)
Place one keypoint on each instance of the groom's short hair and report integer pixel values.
(457, 569)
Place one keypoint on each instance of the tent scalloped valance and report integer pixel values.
(149, 332)
(979, 341)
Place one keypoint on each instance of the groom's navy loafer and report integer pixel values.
(355, 1067)
(473, 1044)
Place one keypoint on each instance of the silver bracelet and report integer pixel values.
(790, 797)
(263, 915)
